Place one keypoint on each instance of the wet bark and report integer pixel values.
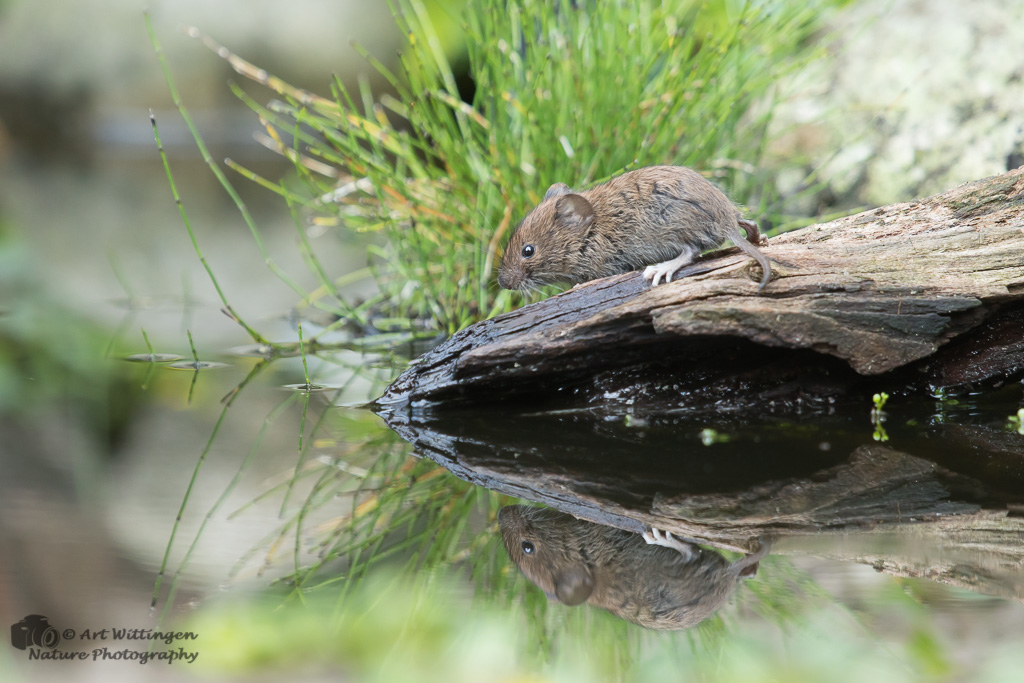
(922, 294)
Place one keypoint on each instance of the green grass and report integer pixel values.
(565, 92)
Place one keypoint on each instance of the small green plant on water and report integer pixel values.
(879, 400)
(1016, 422)
(710, 437)
(878, 416)
(564, 92)
(880, 434)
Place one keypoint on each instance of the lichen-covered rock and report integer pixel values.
(915, 97)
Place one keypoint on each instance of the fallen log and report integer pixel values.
(917, 295)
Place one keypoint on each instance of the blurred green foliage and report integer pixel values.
(431, 629)
(47, 351)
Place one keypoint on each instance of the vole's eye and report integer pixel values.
(528, 251)
(528, 547)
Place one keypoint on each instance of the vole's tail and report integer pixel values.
(747, 245)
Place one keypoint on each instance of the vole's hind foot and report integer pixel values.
(754, 235)
(667, 269)
(666, 539)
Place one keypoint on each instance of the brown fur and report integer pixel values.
(574, 561)
(637, 219)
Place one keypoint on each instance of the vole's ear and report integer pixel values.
(574, 585)
(574, 212)
(556, 189)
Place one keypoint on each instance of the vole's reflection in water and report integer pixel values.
(653, 580)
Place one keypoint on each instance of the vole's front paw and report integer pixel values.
(666, 539)
(656, 536)
(659, 272)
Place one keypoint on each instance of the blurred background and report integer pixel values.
(95, 453)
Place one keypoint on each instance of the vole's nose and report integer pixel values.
(505, 280)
